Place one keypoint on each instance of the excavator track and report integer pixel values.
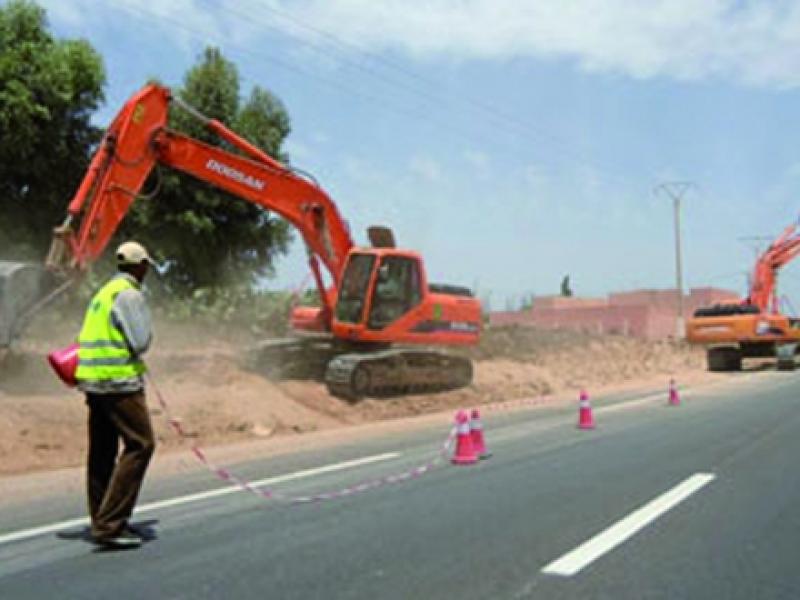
(396, 371)
(355, 373)
(292, 357)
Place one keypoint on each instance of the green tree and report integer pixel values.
(48, 90)
(212, 238)
(566, 289)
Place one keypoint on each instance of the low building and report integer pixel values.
(648, 314)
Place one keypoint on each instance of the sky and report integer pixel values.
(511, 142)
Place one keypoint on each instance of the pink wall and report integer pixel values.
(640, 313)
(625, 320)
(561, 302)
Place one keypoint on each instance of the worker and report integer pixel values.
(390, 298)
(116, 333)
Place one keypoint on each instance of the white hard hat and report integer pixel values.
(132, 253)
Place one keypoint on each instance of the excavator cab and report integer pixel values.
(377, 289)
(384, 296)
(379, 284)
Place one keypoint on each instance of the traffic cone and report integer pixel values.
(476, 433)
(465, 453)
(674, 397)
(585, 416)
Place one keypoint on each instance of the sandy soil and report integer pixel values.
(42, 424)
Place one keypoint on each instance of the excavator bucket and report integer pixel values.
(381, 237)
(22, 285)
(27, 288)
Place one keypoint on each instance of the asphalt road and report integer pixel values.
(486, 531)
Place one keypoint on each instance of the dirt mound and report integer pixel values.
(203, 378)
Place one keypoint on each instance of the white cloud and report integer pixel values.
(745, 41)
(360, 170)
(426, 168)
(479, 162)
(182, 21)
(64, 12)
(756, 43)
(535, 177)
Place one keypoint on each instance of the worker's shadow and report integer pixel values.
(144, 529)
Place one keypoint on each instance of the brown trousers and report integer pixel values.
(113, 482)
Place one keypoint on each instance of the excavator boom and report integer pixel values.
(138, 140)
(763, 289)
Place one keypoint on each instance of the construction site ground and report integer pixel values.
(205, 379)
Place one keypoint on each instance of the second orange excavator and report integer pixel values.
(378, 296)
(754, 327)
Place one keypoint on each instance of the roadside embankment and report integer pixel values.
(42, 424)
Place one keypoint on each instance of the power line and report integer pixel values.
(379, 102)
(484, 107)
(511, 124)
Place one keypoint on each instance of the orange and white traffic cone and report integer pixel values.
(585, 416)
(465, 452)
(674, 398)
(476, 432)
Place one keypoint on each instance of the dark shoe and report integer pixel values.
(122, 540)
(142, 531)
(79, 533)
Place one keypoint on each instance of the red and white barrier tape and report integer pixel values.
(228, 476)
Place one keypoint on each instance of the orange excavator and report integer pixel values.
(377, 297)
(755, 327)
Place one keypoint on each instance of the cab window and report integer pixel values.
(353, 290)
(397, 290)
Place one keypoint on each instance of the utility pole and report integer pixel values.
(676, 190)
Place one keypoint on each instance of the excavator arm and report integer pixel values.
(138, 140)
(763, 289)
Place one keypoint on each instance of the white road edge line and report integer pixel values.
(349, 464)
(572, 562)
(626, 404)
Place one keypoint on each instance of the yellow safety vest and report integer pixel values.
(103, 353)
